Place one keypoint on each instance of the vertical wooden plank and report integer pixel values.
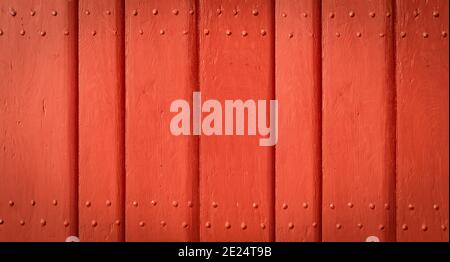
(101, 120)
(236, 174)
(422, 120)
(38, 127)
(298, 91)
(358, 121)
(162, 169)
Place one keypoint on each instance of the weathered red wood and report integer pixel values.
(331, 65)
(422, 120)
(358, 121)
(38, 95)
(298, 91)
(236, 174)
(162, 169)
(101, 120)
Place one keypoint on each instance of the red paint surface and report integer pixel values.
(101, 120)
(38, 121)
(236, 174)
(162, 169)
(358, 121)
(298, 90)
(422, 121)
(363, 120)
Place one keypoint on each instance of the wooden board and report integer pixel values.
(236, 174)
(422, 120)
(161, 169)
(298, 91)
(101, 120)
(86, 147)
(358, 121)
(38, 120)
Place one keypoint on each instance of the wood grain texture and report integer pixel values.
(38, 120)
(86, 147)
(236, 174)
(101, 120)
(422, 120)
(298, 91)
(161, 169)
(358, 121)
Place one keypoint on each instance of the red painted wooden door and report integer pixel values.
(86, 149)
